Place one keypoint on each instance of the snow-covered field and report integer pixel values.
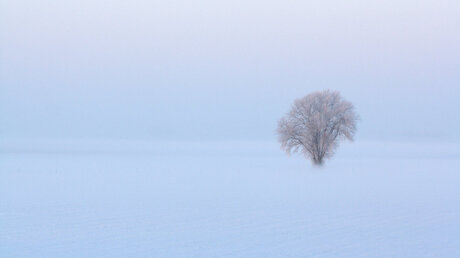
(227, 199)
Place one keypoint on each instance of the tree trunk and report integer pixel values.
(318, 161)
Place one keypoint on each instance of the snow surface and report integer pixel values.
(227, 199)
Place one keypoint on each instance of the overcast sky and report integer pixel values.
(180, 69)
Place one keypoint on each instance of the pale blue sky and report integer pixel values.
(225, 69)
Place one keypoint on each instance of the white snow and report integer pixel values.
(227, 199)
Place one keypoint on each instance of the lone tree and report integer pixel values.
(316, 124)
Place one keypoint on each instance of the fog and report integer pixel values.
(226, 70)
(148, 129)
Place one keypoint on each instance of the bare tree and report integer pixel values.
(316, 124)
